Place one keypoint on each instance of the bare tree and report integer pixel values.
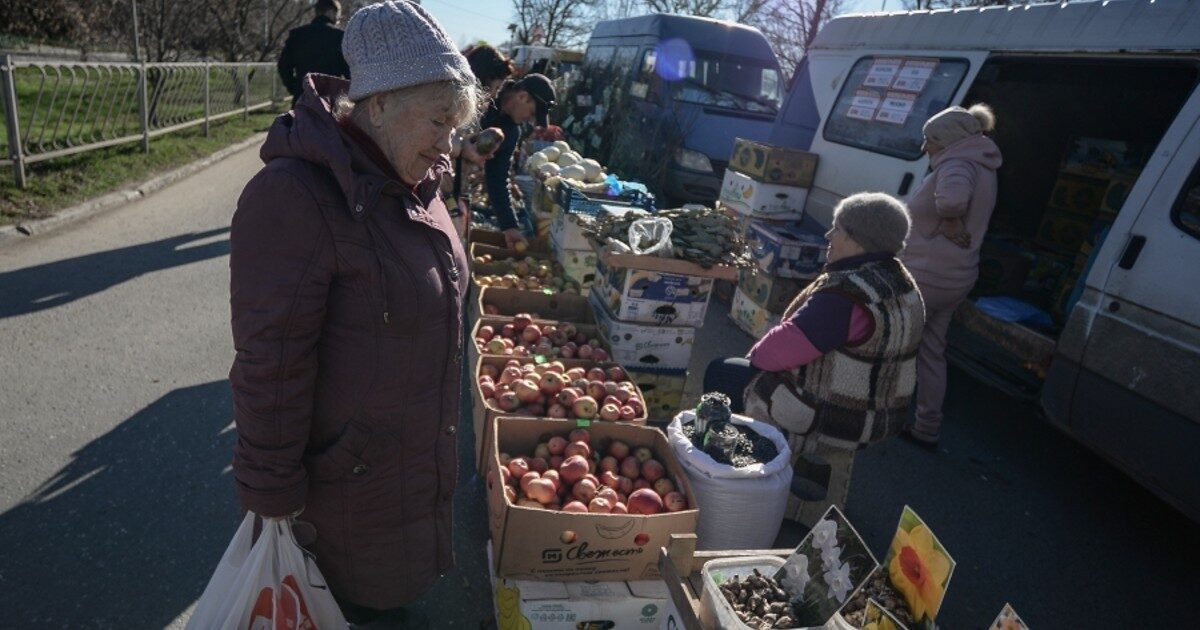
(245, 30)
(791, 25)
(702, 8)
(555, 23)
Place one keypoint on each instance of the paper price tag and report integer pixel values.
(895, 108)
(914, 75)
(863, 105)
(882, 72)
(539, 359)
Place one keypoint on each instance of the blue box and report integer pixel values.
(788, 251)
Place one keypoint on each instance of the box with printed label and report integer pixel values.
(578, 264)
(542, 544)
(770, 292)
(773, 165)
(653, 297)
(753, 319)
(662, 390)
(639, 345)
(788, 251)
(740, 193)
(524, 604)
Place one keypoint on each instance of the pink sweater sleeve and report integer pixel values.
(787, 347)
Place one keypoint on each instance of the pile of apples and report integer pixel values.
(521, 337)
(550, 389)
(568, 474)
(528, 274)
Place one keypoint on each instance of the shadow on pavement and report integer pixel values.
(128, 533)
(41, 287)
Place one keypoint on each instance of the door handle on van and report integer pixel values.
(1132, 251)
(905, 183)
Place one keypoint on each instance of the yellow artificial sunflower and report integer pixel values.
(883, 623)
(918, 570)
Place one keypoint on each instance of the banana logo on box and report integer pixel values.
(508, 608)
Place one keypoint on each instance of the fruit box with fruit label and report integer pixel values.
(662, 389)
(578, 265)
(559, 307)
(788, 251)
(523, 604)
(637, 345)
(743, 195)
(484, 410)
(770, 292)
(497, 323)
(541, 544)
(653, 297)
(753, 319)
(773, 165)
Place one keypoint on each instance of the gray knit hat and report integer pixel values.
(397, 44)
(878, 222)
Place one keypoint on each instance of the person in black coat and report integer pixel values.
(314, 47)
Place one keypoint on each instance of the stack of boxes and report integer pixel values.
(766, 187)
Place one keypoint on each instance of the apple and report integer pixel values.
(552, 383)
(578, 448)
(585, 407)
(610, 412)
(487, 389)
(610, 495)
(636, 403)
(556, 410)
(568, 396)
(557, 445)
(643, 454)
(535, 409)
(584, 352)
(663, 486)
(584, 490)
(631, 468)
(625, 485)
(521, 321)
(552, 475)
(526, 478)
(556, 461)
(575, 506)
(531, 333)
(596, 390)
(596, 374)
(567, 351)
(628, 414)
(618, 449)
(675, 502)
(518, 466)
(490, 371)
(612, 400)
(542, 450)
(542, 490)
(572, 469)
(599, 505)
(539, 465)
(580, 435)
(599, 354)
(641, 484)
(610, 479)
(510, 374)
(575, 374)
(645, 501)
(508, 401)
(609, 464)
(652, 470)
(495, 346)
(619, 508)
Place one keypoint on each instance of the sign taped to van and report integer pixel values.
(914, 74)
(882, 72)
(896, 108)
(863, 105)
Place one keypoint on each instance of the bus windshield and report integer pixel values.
(731, 84)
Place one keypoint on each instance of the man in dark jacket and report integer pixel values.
(314, 47)
(519, 102)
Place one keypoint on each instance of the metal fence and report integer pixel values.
(57, 108)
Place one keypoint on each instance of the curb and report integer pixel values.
(111, 200)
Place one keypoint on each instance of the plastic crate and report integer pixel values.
(575, 201)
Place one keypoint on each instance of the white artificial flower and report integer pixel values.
(831, 557)
(797, 574)
(824, 534)
(838, 579)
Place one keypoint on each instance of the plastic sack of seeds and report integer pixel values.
(741, 507)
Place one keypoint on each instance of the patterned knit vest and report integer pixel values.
(854, 395)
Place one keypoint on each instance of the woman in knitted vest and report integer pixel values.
(950, 210)
(838, 372)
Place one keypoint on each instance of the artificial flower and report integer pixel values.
(838, 579)
(797, 574)
(918, 570)
(824, 534)
(831, 557)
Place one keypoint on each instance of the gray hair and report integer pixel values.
(466, 96)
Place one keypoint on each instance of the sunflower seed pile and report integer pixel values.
(750, 447)
(877, 589)
(706, 237)
(759, 602)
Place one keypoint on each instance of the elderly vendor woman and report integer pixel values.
(838, 372)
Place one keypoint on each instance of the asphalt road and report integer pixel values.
(116, 500)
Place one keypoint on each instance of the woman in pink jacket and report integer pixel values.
(950, 213)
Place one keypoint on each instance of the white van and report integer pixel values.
(1097, 225)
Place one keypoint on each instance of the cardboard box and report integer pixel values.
(558, 307)
(653, 297)
(566, 233)
(743, 195)
(499, 252)
(495, 239)
(663, 265)
(578, 264)
(637, 345)
(770, 292)
(788, 251)
(538, 544)
(773, 165)
(474, 353)
(753, 319)
(524, 604)
(662, 390)
(483, 412)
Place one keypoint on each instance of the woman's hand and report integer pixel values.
(954, 230)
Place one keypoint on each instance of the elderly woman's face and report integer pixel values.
(840, 244)
(414, 133)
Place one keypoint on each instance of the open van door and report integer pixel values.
(1135, 398)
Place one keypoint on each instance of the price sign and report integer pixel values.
(882, 72)
(914, 75)
(863, 105)
(896, 108)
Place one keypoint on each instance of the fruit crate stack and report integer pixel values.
(571, 248)
(766, 188)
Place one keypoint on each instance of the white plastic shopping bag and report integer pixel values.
(651, 237)
(270, 585)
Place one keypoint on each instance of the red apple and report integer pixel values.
(675, 502)
(487, 389)
(596, 374)
(520, 321)
(580, 435)
(641, 484)
(531, 333)
(556, 461)
(567, 351)
(610, 464)
(619, 508)
(510, 374)
(542, 491)
(625, 485)
(489, 371)
(628, 414)
(539, 465)
(618, 449)
(652, 470)
(663, 486)
(557, 445)
(639, 407)
(526, 478)
(535, 409)
(508, 401)
(610, 412)
(575, 506)
(599, 506)
(596, 390)
(584, 490)
(575, 374)
(578, 448)
(585, 408)
(612, 400)
(552, 383)
(631, 468)
(584, 352)
(645, 501)
(643, 454)
(608, 494)
(610, 479)
(573, 469)
(556, 410)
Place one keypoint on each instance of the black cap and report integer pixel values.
(541, 89)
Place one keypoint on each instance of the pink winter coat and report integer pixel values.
(961, 184)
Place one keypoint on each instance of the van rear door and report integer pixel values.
(873, 107)
(1136, 398)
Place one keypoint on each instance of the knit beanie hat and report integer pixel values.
(878, 222)
(955, 123)
(396, 44)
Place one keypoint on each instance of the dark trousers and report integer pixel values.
(730, 377)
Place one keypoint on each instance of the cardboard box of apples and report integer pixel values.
(565, 388)
(570, 503)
